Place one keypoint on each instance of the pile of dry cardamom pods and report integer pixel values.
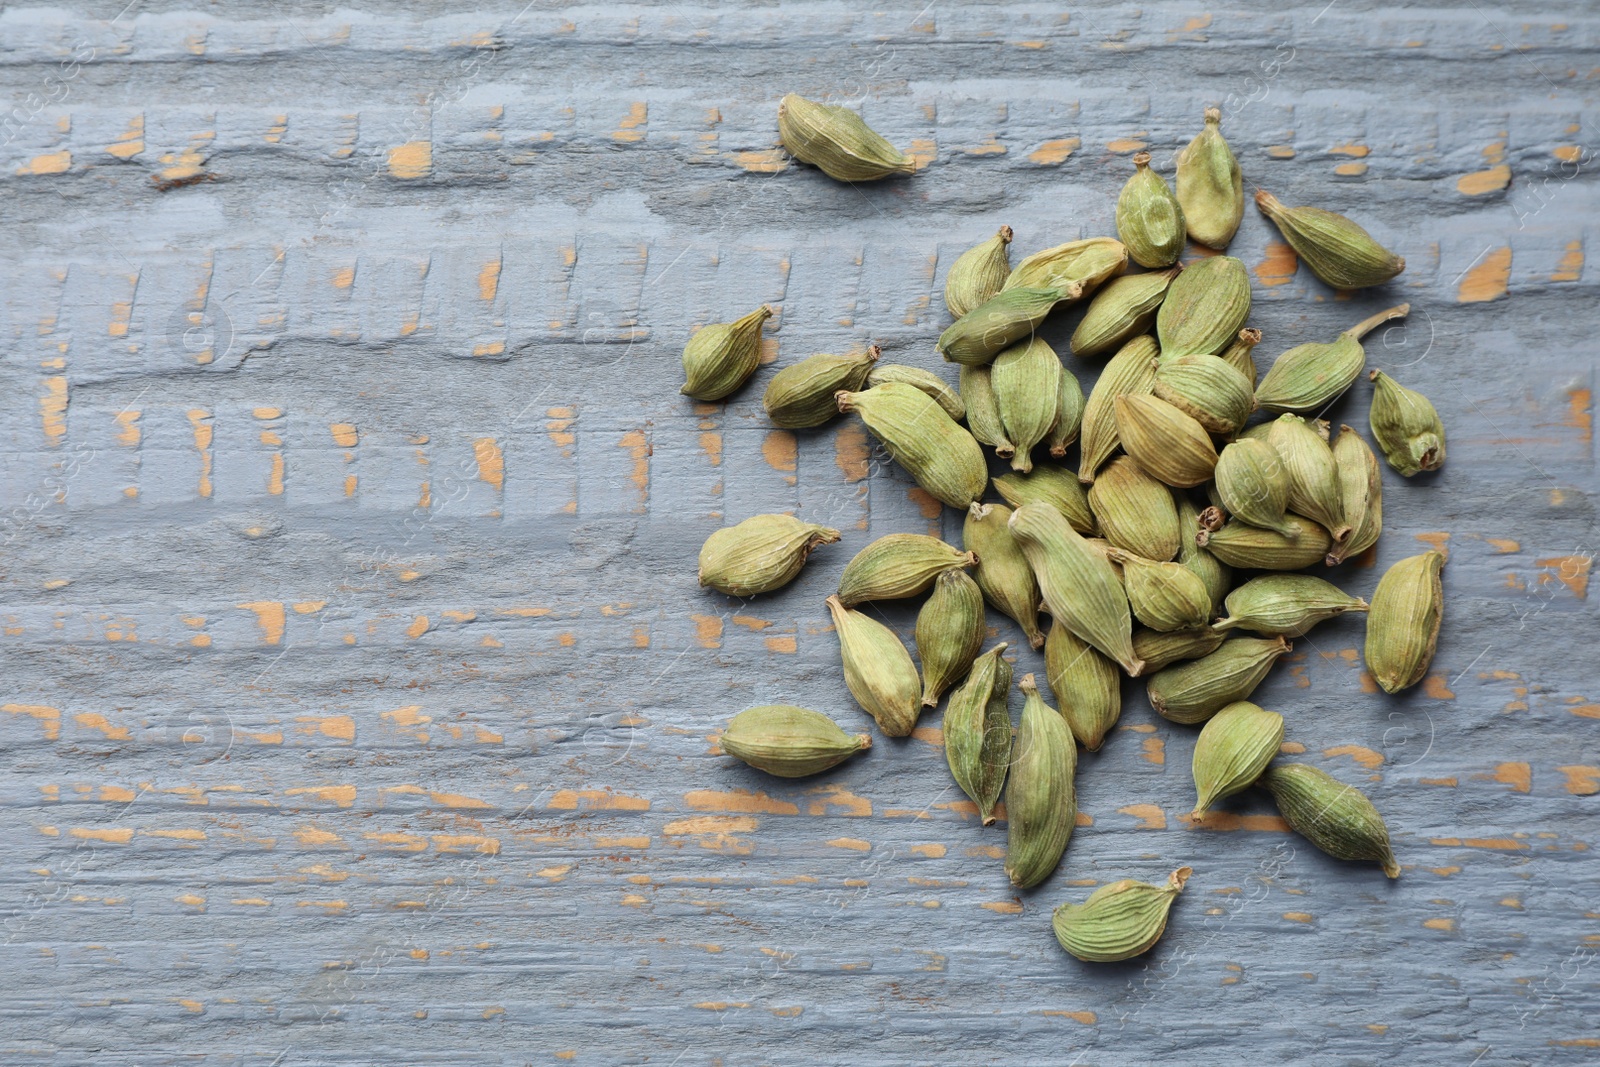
(1134, 555)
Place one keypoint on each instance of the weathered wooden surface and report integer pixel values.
(358, 695)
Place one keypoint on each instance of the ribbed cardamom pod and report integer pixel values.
(1406, 426)
(896, 566)
(1253, 484)
(1080, 588)
(801, 396)
(1087, 686)
(943, 457)
(878, 670)
(1003, 572)
(1149, 220)
(1170, 445)
(1194, 691)
(1210, 187)
(998, 323)
(1130, 371)
(837, 141)
(1053, 485)
(1361, 489)
(1285, 605)
(1403, 625)
(1208, 389)
(1078, 267)
(977, 731)
(1311, 376)
(1238, 544)
(1336, 249)
(1163, 596)
(1239, 353)
(1122, 310)
(1337, 818)
(760, 554)
(1205, 307)
(1134, 511)
(789, 742)
(1217, 575)
(1027, 389)
(721, 357)
(949, 633)
(1313, 474)
(1041, 797)
(1069, 415)
(978, 274)
(983, 413)
(1119, 921)
(925, 380)
(1160, 650)
(1233, 749)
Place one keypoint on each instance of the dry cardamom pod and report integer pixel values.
(1130, 371)
(1253, 484)
(1313, 474)
(1233, 749)
(1194, 691)
(1403, 625)
(1337, 818)
(1239, 353)
(760, 554)
(978, 274)
(1163, 596)
(1406, 426)
(837, 141)
(1003, 572)
(1238, 544)
(1069, 415)
(1217, 575)
(949, 633)
(1160, 650)
(1361, 490)
(983, 412)
(936, 451)
(1041, 797)
(1078, 267)
(1119, 921)
(977, 731)
(789, 742)
(1336, 249)
(1121, 311)
(1208, 389)
(1087, 686)
(1170, 445)
(878, 670)
(927, 381)
(1210, 187)
(1134, 511)
(1285, 604)
(998, 323)
(801, 396)
(898, 565)
(1205, 307)
(1080, 588)
(1027, 390)
(1149, 220)
(1053, 485)
(721, 357)
(1311, 376)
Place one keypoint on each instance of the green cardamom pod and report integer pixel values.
(837, 141)
(1208, 389)
(1121, 311)
(983, 412)
(1119, 921)
(760, 554)
(1233, 749)
(1149, 219)
(1361, 490)
(949, 633)
(1336, 249)
(789, 742)
(1313, 474)
(1217, 575)
(801, 396)
(877, 670)
(1239, 353)
(1131, 370)
(977, 731)
(721, 357)
(978, 274)
(1087, 686)
(933, 448)
(1041, 797)
(1053, 485)
(1134, 511)
(1080, 588)
(1160, 650)
(998, 323)
(1337, 818)
(1163, 596)
(1210, 187)
(1027, 390)
(896, 566)
(1253, 484)
(1194, 691)
(1238, 544)
(927, 381)
(1406, 426)
(1171, 446)
(1205, 307)
(1069, 415)
(1311, 376)
(1078, 267)
(1003, 572)
(1403, 625)
(1285, 605)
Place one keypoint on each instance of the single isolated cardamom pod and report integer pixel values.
(801, 396)
(978, 274)
(1403, 625)
(1313, 474)
(1253, 484)
(1238, 544)
(1079, 267)
(983, 412)
(1311, 376)
(1069, 415)
(1285, 604)
(1121, 311)
(1087, 686)
(760, 554)
(1131, 370)
(977, 731)
(789, 742)
(1079, 586)
(1240, 353)
(837, 141)
(1134, 511)
(1210, 187)
(1208, 389)
(1336, 249)
(721, 357)
(1361, 490)
(1232, 751)
(1171, 446)
(877, 670)
(1053, 485)
(1003, 573)
(949, 633)
(925, 380)
(1217, 575)
(1027, 389)
(1205, 307)
(1119, 921)
(1160, 650)
(1041, 797)
(1149, 219)
(998, 323)
(896, 566)
(1194, 691)
(936, 451)
(1163, 596)
(1337, 818)
(1406, 426)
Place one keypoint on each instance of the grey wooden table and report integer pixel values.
(359, 700)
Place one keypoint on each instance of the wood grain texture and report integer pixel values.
(359, 703)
